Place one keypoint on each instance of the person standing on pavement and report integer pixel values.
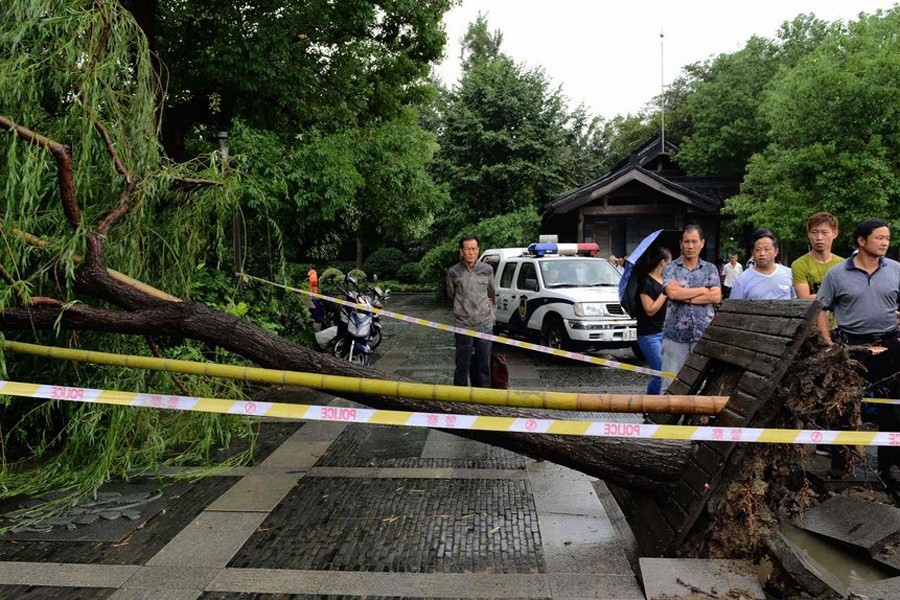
(809, 270)
(693, 288)
(863, 293)
(730, 272)
(470, 286)
(766, 279)
(650, 313)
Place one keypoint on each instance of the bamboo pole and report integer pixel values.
(138, 285)
(618, 403)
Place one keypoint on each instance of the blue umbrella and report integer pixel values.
(628, 284)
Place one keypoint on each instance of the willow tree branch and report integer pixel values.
(120, 211)
(191, 181)
(120, 167)
(63, 155)
(14, 284)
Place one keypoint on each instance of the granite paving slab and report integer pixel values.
(581, 544)
(81, 575)
(562, 490)
(886, 589)
(172, 577)
(672, 577)
(268, 581)
(481, 585)
(211, 540)
(255, 493)
(607, 587)
(867, 525)
(367, 584)
(400, 525)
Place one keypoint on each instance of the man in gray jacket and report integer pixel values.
(470, 286)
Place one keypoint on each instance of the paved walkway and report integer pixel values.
(357, 511)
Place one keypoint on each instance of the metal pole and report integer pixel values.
(236, 231)
(662, 93)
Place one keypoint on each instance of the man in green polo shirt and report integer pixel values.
(809, 270)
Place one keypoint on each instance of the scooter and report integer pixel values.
(354, 326)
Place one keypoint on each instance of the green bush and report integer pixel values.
(408, 273)
(385, 262)
(511, 230)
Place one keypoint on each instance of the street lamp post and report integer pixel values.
(236, 229)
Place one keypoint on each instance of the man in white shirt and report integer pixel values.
(731, 272)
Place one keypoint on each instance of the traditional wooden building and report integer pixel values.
(646, 192)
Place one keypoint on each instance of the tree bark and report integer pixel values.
(648, 465)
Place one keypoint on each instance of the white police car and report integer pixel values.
(560, 293)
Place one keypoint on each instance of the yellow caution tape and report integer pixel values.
(451, 421)
(613, 364)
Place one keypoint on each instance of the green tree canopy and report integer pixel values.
(726, 126)
(289, 66)
(507, 138)
(835, 133)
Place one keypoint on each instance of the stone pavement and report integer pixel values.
(336, 510)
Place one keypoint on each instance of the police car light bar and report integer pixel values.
(563, 249)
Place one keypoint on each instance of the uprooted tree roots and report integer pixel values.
(821, 391)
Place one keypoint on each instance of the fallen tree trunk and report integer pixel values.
(144, 311)
(644, 464)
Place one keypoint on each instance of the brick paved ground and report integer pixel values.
(335, 511)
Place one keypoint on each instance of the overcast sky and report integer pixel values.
(607, 54)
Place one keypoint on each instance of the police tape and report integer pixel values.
(604, 429)
(613, 364)
(892, 401)
(337, 384)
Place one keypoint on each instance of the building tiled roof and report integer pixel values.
(705, 193)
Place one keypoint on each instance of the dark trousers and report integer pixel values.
(479, 366)
(880, 367)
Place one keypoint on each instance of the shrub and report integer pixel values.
(408, 273)
(385, 262)
(505, 231)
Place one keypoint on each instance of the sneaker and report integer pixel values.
(823, 451)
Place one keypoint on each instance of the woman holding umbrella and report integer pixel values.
(650, 312)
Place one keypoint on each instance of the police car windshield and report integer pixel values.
(578, 272)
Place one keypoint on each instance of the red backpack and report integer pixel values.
(499, 372)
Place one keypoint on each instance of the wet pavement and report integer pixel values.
(331, 510)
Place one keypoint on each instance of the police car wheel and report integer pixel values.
(555, 335)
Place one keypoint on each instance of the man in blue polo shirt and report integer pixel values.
(863, 293)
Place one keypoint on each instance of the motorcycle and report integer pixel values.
(354, 326)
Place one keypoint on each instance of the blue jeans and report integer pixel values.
(478, 367)
(651, 347)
